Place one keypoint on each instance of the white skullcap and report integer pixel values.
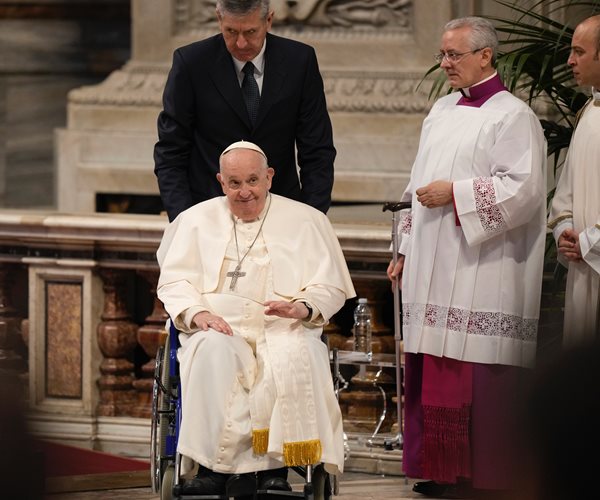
(244, 145)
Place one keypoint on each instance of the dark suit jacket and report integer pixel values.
(204, 112)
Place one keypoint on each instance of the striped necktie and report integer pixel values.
(250, 91)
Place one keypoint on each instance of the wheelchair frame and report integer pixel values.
(165, 462)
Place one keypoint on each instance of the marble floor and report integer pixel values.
(354, 486)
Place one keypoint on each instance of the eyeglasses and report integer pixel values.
(453, 57)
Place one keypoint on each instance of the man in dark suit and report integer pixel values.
(210, 101)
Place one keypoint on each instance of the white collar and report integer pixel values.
(467, 92)
(258, 61)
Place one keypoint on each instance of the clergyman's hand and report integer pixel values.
(205, 320)
(568, 245)
(435, 194)
(284, 309)
(394, 273)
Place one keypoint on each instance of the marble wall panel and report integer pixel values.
(64, 338)
(64, 312)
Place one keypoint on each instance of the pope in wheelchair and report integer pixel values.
(249, 280)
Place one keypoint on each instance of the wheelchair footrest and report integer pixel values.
(279, 493)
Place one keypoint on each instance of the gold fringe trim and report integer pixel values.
(302, 453)
(260, 441)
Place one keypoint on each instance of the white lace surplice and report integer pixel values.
(472, 291)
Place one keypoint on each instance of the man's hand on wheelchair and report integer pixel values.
(284, 309)
(205, 320)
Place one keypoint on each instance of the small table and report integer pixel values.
(362, 360)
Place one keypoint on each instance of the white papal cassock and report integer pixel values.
(576, 205)
(471, 288)
(264, 397)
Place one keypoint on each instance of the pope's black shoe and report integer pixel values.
(241, 485)
(206, 482)
(274, 479)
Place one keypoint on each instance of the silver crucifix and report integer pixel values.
(234, 275)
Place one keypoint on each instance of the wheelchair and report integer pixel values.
(165, 462)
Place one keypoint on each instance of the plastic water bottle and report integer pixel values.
(362, 327)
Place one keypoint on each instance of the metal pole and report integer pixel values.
(395, 208)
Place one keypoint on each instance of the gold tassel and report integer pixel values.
(302, 452)
(260, 441)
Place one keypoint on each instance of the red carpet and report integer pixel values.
(69, 468)
(62, 460)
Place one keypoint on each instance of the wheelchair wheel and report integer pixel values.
(160, 419)
(155, 473)
(166, 489)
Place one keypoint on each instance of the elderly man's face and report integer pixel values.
(472, 63)
(245, 180)
(584, 59)
(244, 35)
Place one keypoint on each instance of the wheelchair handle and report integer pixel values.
(395, 206)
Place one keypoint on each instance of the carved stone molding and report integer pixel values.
(348, 91)
(376, 92)
(132, 86)
(354, 15)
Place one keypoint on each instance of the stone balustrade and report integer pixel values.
(80, 322)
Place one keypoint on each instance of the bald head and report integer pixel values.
(585, 49)
(593, 25)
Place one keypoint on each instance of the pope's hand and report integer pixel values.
(205, 320)
(284, 309)
(435, 194)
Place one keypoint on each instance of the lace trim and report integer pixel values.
(485, 204)
(406, 222)
(497, 324)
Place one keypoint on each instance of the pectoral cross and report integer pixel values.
(234, 275)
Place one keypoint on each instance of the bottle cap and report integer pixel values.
(362, 300)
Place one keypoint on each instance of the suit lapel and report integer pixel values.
(273, 79)
(222, 73)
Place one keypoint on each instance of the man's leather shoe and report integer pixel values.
(430, 488)
(275, 483)
(240, 485)
(462, 489)
(206, 482)
(274, 479)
